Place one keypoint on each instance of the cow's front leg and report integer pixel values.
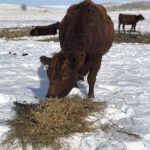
(95, 66)
(80, 78)
(135, 28)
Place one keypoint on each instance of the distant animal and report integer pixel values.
(12, 53)
(127, 19)
(45, 30)
(24, 54)
(86, 34)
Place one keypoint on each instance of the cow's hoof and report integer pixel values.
(80, 78)
(90, 95)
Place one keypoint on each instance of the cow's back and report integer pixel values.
(87, 27)
(127, 19)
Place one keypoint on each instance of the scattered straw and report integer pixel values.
(41, 125)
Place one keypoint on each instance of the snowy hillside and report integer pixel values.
(12, 16)
(123, 81)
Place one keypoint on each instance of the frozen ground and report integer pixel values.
(123, 82)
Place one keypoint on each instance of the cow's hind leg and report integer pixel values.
(95, 66)
(134, 27)
(123, 26)
(131, 28)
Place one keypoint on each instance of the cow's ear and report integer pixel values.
(45, 60)
(79, 59)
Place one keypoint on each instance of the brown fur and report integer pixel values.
(45, 30)
(86, 34)
(127, 19)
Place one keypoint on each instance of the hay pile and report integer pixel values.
(133, 37)
(41, 125)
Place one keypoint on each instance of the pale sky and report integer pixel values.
(57, 2)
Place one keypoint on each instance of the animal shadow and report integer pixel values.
(82, 87)
(44, 83)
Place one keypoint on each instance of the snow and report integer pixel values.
(123, 82)
(11, 15)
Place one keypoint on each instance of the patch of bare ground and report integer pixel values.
(16, 33)
(119, 38)
(42, 125)
(133, 38)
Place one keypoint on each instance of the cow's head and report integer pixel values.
(58, 25)
(34, 31)
(45, 61)
(62, 71)
(55, 25)
(140, 17)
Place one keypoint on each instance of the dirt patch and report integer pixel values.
(43, 124)
(133, 38)
(120, 38)
(13, 33)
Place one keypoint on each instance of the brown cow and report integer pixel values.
(45, 30)
(126, 19)
(86, 34)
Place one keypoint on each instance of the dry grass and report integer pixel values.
(11, 33)
(41, 125)
(133, 38)
(54, 39)
(130, 6)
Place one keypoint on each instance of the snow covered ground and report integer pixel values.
(123, 82)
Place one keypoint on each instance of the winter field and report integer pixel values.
(123, 81)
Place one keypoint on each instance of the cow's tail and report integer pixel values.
(119, 18)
